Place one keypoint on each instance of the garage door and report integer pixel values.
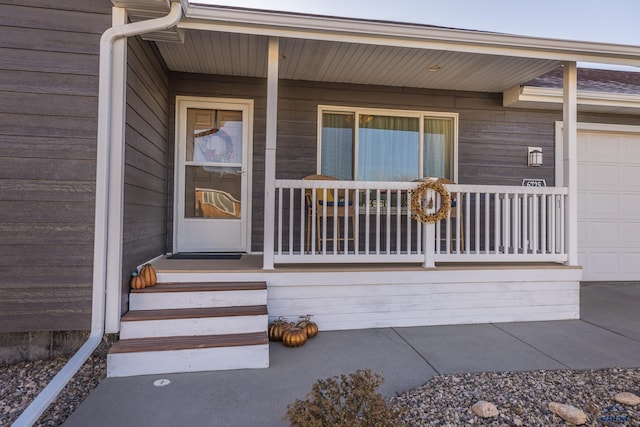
(609, 205)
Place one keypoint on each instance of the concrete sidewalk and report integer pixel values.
(608, 335)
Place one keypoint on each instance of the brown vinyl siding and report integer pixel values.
(146, 160)
(48, 117)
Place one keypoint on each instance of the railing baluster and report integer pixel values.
(543, 224)
(487, 213)
(279, 236)
(303, 223)
(409, 213)
(398, 221)
(496, 227)
(356, 226)
(291, 202)
(536, 216)
(367, 220)
(377, 221)
(552, 226)
(477, 222)
(515, 227)
(467, 224)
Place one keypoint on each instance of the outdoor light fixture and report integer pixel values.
(535, 156)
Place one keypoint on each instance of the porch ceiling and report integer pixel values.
(237, 54)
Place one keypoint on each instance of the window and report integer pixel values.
(386, 145)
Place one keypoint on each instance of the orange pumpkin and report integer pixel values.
(278, 328)
(137, 281)
(309, 327)
(294, 337)
(149, 275)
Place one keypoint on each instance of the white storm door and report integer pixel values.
(212, 193)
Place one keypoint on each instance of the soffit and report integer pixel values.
(238, 54)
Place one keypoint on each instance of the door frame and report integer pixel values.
(181, 105)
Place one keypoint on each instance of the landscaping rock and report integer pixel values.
(569, 413)
(627, 398)
(485, 409)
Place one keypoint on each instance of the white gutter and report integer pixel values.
(51, 391)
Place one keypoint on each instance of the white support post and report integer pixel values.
(270, 153)
(570, 158)
(116, 177)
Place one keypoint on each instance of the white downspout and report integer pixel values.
(51, 391)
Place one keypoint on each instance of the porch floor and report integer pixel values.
(608, 335)
(253, 263)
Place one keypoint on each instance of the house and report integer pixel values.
(193, 130)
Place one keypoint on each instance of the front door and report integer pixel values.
(212, 203)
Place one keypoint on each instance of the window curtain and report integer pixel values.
(337, 145)
(388, 148)
(438, 137)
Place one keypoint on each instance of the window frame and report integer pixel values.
(421, 115)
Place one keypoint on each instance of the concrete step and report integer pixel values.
(198, 295)
(163, 355)
(193, 321)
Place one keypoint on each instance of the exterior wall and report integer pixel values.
(48, 119)
(492, 142)
(147, 151)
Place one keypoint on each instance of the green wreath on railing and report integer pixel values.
(417, 197)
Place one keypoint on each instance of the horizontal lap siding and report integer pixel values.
(420, 299)
(492, 141)
(48, 118)
(146, 160)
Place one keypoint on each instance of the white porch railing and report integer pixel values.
(371, 222)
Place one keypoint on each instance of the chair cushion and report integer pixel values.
(331, 203)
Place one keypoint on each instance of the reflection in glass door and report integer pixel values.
(212, 176)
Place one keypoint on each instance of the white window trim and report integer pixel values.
(388, 112)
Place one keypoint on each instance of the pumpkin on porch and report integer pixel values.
(149, 275)
(137, 281)
(294, 336)
(278, 328)
(309, 327)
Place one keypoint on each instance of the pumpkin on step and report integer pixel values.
(278, 328)
(149, 275)
(137, 281)
(309, 327)
(294, 336)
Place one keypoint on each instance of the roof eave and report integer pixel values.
(541, 97)
(408, 35)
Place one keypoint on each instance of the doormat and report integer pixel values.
(204, 255)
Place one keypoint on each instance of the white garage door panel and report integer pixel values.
(609, 205)
(630, 206)
(631, 264)
(630, 174)
(603, 235)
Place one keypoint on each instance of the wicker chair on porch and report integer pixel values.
(334, 208)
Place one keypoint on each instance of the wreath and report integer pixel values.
(419, 211)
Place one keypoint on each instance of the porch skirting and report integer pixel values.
(359, 298)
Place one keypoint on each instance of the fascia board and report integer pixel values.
(293, 25)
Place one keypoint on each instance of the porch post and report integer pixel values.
(570, 158)
(270, 153)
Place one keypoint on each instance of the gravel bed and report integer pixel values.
(521, 397)
(20, 384)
